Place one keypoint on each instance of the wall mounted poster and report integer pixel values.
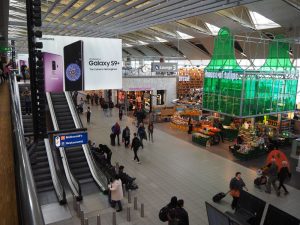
(81, 63)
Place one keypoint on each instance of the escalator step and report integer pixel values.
(40, 171)
(44, 189)
(83, 164)
(78, 171)
(43, 177)
(40, 165)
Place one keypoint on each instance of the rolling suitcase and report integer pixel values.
(218, 197)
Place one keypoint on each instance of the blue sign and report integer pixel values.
(71, 140)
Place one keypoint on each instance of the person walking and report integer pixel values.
(283, 174)
(23, 72)
(111, 106)
(120, 113)
(126, 136)
(150, 131)
(236, 186)
(272, 174)
(88, 115)
(135, 144)
(142, 134)
(116, 192)
(116, 131)
(92, 99)
(181, 213)
(88, 98)
(27, 96)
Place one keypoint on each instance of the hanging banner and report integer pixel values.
(164, 67)
(81, 63)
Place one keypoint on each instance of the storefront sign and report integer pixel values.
(222, 75)
(164, 67)
(140, 89)
(71, 140)
(184, 78)
(5, 49)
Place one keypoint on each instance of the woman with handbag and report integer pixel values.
(236, 186)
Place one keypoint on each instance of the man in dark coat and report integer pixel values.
(107, 151)
(181, 213)
(236, 186)
(135, 146)
(283, 174)
(126, 136)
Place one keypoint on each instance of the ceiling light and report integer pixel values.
(143, 43)
(261, 22)
(213, 29)
(160, 39)
(184, 35)
(243, 54)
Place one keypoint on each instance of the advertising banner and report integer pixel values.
(81, 63)
(71, 140)
(164, 67)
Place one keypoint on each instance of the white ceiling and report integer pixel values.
(144, 20)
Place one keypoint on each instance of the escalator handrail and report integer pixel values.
(60, 192)
(30, 210)
(73, 183)
(97, 174)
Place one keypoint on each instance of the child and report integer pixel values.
(88, 114)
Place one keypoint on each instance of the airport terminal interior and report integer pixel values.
(148, 112)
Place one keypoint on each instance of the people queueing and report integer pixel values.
(142, 133)
(236, 186)
(150, 131)
(135, 144)
(27, 96)
(120, 113)
(126, 136)
(116, 192)
(116, 130)
(272, 174)
(88, 114)
(283, 174)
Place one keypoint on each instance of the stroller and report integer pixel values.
(261, 178)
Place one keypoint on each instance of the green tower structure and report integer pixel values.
(232, 91)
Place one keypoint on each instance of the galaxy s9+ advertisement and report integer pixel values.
(80, 63)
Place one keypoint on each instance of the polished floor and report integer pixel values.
(8, 201)
(170, 166)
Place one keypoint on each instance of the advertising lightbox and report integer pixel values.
(81, 63)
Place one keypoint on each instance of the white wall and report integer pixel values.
(153, 83)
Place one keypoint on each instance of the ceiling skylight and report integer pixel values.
(160, 39)
(261, 22)
(184, 35)
(127, 45)
(213, 29)
(143, 43)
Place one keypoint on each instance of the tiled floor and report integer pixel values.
(171, 166)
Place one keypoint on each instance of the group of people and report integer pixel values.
(271, 175)
(175, 212)
(137, 140)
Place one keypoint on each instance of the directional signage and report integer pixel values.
(71, 140)
(5, 49)
(164, 67)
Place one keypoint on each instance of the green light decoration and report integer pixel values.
(232, 91)
(223, 58)
(278, 59)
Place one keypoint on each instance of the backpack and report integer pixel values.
(163, 214)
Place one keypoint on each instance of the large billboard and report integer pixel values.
(81, 63)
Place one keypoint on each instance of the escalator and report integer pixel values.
(27, 119)
(39, 160)
(76, 158)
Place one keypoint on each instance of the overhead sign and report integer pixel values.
(81, 63)
(5, 49)
(164, 67)
(71, 140)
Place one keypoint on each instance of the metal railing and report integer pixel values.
(97, 174)
(29, 208)
(73, 183)
(60, 192)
